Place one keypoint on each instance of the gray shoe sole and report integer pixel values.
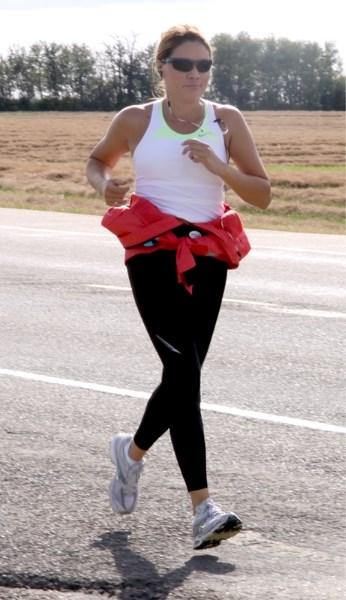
(112, 449)
(116, 497)
(228, 529)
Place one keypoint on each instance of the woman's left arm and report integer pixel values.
(249, 180)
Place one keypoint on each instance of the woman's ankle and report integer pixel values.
(134, 452)
(198, 496)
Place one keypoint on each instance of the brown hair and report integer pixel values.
(177, 35)
(171, 39)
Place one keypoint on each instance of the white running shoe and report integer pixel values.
(123, 489)
(211, 525)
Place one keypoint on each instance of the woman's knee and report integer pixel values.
(183, 381)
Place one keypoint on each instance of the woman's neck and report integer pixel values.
(194, 116)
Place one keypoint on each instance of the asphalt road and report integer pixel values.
(76, 366)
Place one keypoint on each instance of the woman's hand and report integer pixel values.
(114, 191)
(247, 178)
(200, 152)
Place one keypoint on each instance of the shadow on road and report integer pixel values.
(140, 578)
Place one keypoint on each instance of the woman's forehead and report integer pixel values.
(191, 50)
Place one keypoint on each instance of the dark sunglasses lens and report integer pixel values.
(182, 64)
(203, 65)
(186, 65)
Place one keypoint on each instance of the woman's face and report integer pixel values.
(187, 85)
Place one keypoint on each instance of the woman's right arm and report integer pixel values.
(105, 156)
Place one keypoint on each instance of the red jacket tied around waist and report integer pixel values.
(134, 225)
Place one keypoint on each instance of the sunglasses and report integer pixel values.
(185, 64)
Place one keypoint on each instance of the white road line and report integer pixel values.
(226, 410)
(50, 231)
(288, 249)
(300, 250)
(286, 310)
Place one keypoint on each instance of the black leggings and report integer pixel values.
(180, 326)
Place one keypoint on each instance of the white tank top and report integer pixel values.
(171, 180)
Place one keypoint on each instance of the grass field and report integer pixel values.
(43, 156)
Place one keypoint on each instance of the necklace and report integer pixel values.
(171, 112)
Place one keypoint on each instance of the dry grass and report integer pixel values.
(43, 156)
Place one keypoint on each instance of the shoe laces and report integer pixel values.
(131, 478)
(209, 510)
(212, 508)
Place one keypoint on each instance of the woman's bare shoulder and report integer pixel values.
(130, 124)
(232, 120)
(226, 111)
(135, 114)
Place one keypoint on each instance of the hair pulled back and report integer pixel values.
(171, 39)
(177, 35)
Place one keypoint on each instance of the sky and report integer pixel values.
(96, 23)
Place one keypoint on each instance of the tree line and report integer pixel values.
(250, 73)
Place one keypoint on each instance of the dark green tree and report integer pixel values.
(252, 74)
